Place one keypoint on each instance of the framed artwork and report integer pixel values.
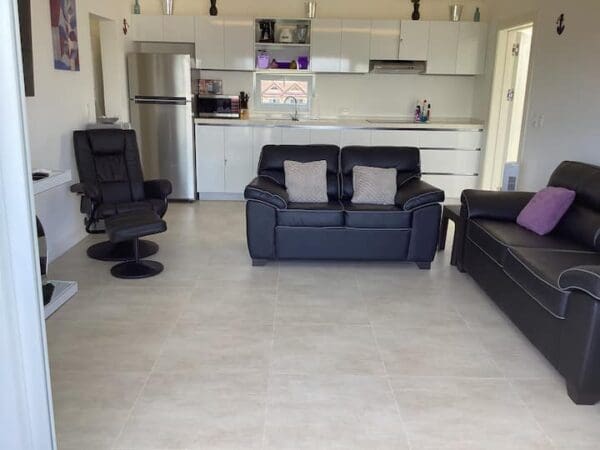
(63, 20)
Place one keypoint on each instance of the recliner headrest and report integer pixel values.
(107, 141)
(582, 178)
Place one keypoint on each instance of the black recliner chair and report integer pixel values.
(112, 183)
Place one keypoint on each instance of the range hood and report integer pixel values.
(397, 67)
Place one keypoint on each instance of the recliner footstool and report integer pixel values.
(130, 228)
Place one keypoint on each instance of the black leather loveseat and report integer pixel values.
(339, 229)
(548, 285)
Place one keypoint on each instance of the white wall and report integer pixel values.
(563, 84)
(63, 102)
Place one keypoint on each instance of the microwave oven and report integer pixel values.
(218, 106)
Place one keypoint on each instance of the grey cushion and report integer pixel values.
(373, 185)
(306, 182)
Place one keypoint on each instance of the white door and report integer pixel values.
(261, 137)
(179, 29)
(147, 28)
(414, 40)
(325, 137)
(238, 159)
(356, 46)
(210, 43)
(472, 45)
(355, 137)
(210, 158)
(295, 136)
(326, 45)
(443, 48)
(239, 44)
(385, 39)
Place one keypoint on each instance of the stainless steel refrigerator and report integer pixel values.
(160, 99)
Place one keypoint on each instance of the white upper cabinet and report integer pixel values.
(326, 45)
(356, 46)
(472, 46)
(414, 40)
(146, 28)
(443, 48)
(385, 39)
(210, 42)
(239, 44)
(178, 29)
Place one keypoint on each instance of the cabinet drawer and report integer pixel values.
(451, 139)
(452, 185)
(355, 137)
(325, 137)
(462, 162)
(395, 138)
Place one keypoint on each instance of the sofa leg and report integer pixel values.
(259, 262)
(582, 398)
(424, 265)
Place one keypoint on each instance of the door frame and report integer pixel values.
(26, 416)
(497, 95)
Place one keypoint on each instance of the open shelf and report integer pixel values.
(280, 45)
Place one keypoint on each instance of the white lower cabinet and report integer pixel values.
(238, 159)
(227, 157)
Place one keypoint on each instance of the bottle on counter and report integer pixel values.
(137, 9)
(418, 113)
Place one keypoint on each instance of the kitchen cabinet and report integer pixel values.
(210, 42)
(472, 47)
(326, 45)
(393, 138)
(385, 39)
(295, 136)
(210, 159)
(325, 136)
(238, 159)
(239, 43)
(459, 162)
(356, 46)
(414, 40)
(146, 28)
(263, 136)
(355, 137)
(443, 48)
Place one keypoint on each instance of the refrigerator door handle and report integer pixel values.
(161, 100)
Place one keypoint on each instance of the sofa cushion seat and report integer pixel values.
(329, 214)
(376, 216)
(495, 237)
(537, 271)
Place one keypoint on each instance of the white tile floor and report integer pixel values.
(216, 354)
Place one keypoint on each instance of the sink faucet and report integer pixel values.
(295, 115)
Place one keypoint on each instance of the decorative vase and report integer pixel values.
(213, 11)
(477, 17)
(168, 6)
(416, 15)
(137, 9)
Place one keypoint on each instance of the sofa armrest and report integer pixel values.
(268, 191)
(159, 189)
(88, 191)
(417, 193)
(582, 278)
(498, 205)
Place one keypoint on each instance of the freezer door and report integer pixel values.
(159, 75)
(166, 139)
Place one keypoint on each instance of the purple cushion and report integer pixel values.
(545, 209)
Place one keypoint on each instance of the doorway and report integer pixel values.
(508, 108)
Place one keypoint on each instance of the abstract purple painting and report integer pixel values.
(63, 18)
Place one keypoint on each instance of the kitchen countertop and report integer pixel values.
(380, 123)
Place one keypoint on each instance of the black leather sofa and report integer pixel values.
(549, 286)
(339, 229)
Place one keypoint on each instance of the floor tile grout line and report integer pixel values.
(150, 373)
(272, 349)
(385, 371)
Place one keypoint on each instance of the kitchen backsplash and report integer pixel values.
(371, 94)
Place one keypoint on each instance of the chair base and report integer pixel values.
(137, 269)
(123, 251)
